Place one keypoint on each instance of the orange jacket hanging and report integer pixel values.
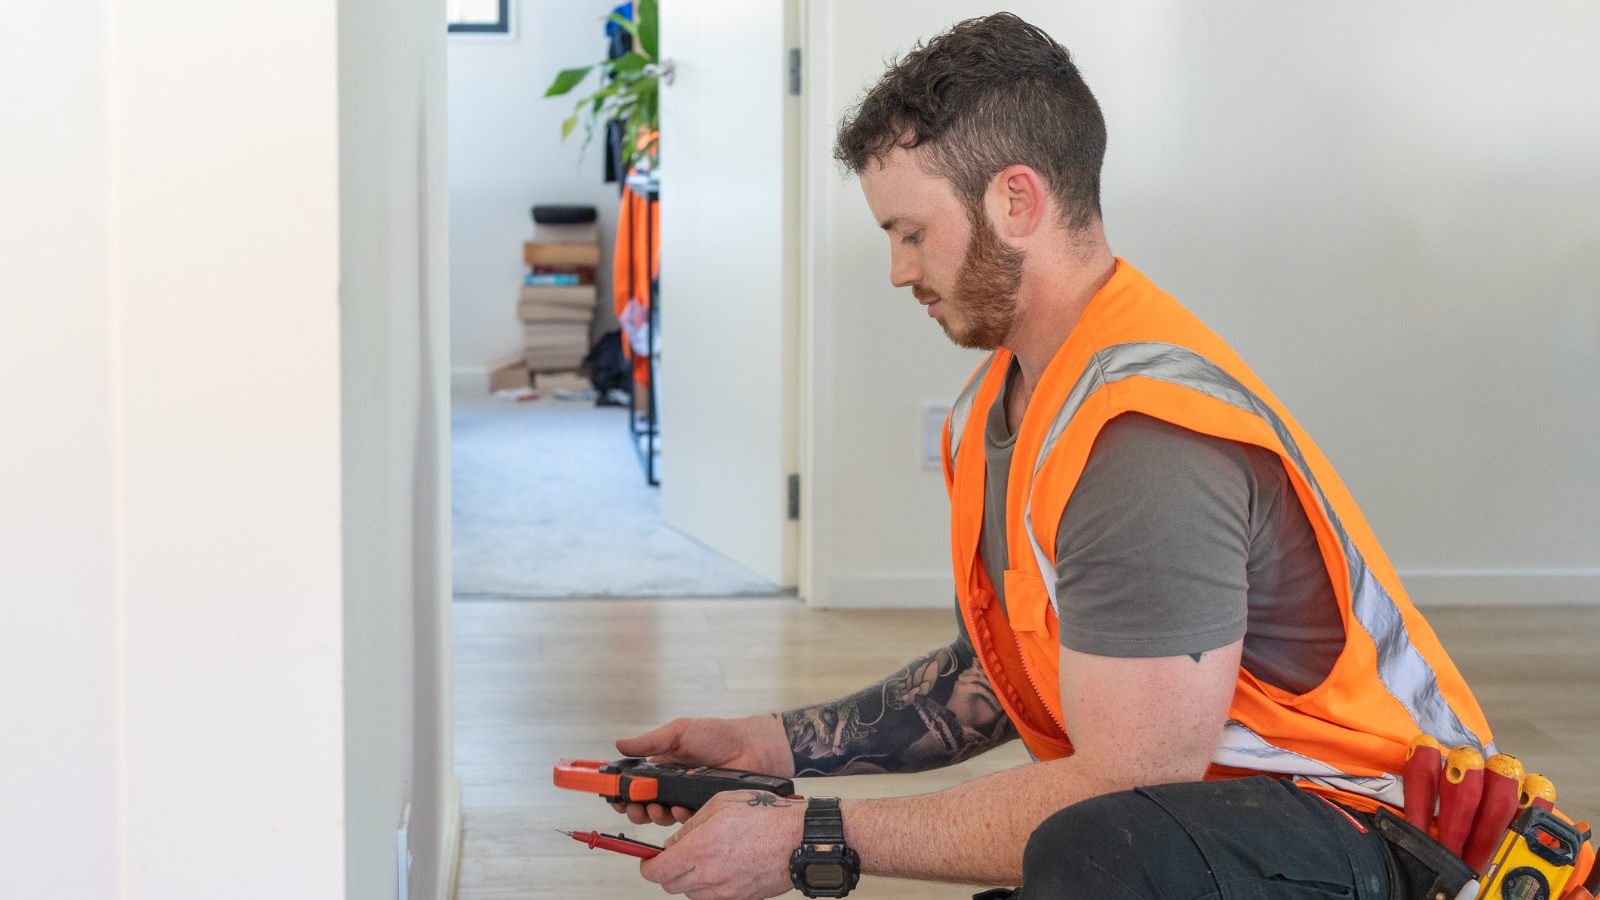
(1135, 349)
(638, 235)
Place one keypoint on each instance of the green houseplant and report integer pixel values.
(627, 88)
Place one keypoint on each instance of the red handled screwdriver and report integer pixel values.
(1502, 781)
(616, 843)
(1423, 759)
(1537, 791)
(1459, 793)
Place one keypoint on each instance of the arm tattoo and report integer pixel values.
(937, 711)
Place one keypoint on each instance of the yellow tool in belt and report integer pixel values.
(1534, 860)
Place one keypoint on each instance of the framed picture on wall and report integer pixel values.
(478, 16)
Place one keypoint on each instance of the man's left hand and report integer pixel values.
(737, 847)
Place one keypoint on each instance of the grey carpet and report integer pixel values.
(549, 500)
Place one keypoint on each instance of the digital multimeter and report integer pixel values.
(641, 781)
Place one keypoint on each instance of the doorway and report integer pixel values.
(552, 493)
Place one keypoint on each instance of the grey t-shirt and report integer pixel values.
(1175, 543)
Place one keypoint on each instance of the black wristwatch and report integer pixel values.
(822, 866)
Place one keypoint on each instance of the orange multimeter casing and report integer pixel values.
(641, 781)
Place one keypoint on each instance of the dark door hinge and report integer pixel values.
(794, 77)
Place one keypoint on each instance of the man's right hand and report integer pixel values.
(753, 743)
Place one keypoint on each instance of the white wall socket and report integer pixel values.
(403, 858)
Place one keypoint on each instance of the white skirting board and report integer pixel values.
(450, 851)
(1427, 587)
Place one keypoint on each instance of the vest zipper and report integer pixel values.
(1028, 671)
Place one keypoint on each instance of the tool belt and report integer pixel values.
(1497, 835)
(1420, 868)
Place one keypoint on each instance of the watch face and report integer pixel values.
(825, 876)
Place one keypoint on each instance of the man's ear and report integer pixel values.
(1016, 201)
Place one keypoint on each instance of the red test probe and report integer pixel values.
(616, 843)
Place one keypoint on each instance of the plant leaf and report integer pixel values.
(609, 90)
(566, 80)
(627, 63)
(649, 28)
(568, 125)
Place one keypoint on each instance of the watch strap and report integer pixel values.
(823, 853)
(824, 821)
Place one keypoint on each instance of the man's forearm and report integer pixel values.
(973, 833)
(937, 711)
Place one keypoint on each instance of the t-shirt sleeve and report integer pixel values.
(1153, 552)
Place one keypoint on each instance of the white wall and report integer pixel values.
(727, 314)
(1392, 212)
(506, 154)
(61, 696)
(185, 595)
(394, 306)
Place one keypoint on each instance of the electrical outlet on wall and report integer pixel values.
(933, 416)
(403, 859)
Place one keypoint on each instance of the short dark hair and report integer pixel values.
(987, 94)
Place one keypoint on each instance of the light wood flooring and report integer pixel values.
(539, 680)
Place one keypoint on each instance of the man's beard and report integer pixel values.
(984, 295)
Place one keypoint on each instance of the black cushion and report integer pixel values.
(563, 215)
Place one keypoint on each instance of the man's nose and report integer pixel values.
(903, 269)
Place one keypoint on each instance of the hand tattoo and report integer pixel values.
(763, 798)
(937, 711)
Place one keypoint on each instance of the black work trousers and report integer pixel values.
(1244, 839)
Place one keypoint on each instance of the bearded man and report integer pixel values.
(1163, 587)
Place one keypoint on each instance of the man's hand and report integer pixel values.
(754, 743)
(736, 848)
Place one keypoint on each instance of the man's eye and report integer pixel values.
(912, 238)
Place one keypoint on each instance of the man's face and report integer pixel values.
(950, 256)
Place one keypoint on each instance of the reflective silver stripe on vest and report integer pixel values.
(1241, 748)
(957, 423)
(1401, 668)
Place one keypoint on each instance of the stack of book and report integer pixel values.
(558, 295)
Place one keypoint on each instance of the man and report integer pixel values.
(1150, 556)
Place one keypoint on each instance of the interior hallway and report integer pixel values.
(549, 500)
(539, 681)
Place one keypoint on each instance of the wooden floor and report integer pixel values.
(539, 680)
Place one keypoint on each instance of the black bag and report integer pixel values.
(608, 369)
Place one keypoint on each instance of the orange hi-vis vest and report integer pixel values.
(1135, 349)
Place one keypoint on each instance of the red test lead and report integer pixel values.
(616, 843)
